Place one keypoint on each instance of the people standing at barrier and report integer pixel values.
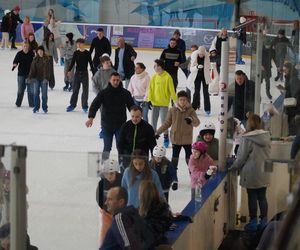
(23, 60)
(15, 19)
(216, 44)
(200, 66)
(161, 90)
(139, 170)
(67, 52)
(33, 45)
(182, 118)
(266, 69)
(201, 165)
(51, 52)
(101, 45)
(110, 177)
(139, 86)
(135, 134)
(241, 38)
(238, 131)
(254, 149)
(39, 76)
(241, 96)
(5, 27)
(180, 43)
(207, 135)
(82, 58)
(124, 60)
(165, 170)
(26, 28)
(172, 57)
(155, 211)
(113, 102)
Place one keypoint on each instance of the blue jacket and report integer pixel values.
(133, 190)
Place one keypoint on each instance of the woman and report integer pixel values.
(254, 149)
(33, 45)
(154, 210)
(51, 52)
(26, 28)
(39, 75)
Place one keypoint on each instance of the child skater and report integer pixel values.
(201, 165)
(164, 169)
(139, 170)
(110, 177)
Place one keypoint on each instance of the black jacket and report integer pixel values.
(170, 56)
(101, 46)
(114, 102)
(24, 62)
(127, 62)
(5, 25)
(15, 19)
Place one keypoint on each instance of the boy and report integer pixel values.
(81, 57)
(181, 118)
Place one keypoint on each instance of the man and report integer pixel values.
(15, 19)
(135, 134)
(101, 45)
(113, 102)
(241, 96)
(128, 230)
(124, 60)
(23, 60)
(161, 90)
(182, 47)
(172, 58)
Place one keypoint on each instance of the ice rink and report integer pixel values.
(63, 213)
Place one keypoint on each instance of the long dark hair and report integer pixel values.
(47, 39)
(146, 173)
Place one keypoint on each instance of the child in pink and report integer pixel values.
(26, 28)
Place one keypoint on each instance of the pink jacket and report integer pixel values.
(139, 85)
(26, 28)
(198, 168)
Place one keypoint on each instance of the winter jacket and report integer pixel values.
(114, 102)
(39, 68)
(33, 45)
(54, 27)
(217, 44)
(15, 19)
(127, 62)
(6, 23)
(161, 90)
(166, 173)
(51, 50)
(68, 50)
(180, 43)
(198, 168)
(139, 136)
(181, 132)
(280, 46)
(128, 231)
(139, 85)
(254, 149)
(194, 70)
(213, 147)
(133, 189)
(101, 47)
(102, 189)
(24, 61)
(170, 56)
(26, 28)
(242, 35)
(101, 79)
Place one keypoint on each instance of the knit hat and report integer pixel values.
(70, 36)
(6, 12)
(17, 8)
(202, 50)
(242, 19)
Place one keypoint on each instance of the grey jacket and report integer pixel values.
(51, 51)
(254, 149)
(101, 79)
(68, 50)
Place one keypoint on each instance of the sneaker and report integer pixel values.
(70, 89)
(70, 108)
(101, 134)
(85, 109)
(207, 113)
(65, 88)
(35, 110)
(166, 141)
(251, 226)
(262, 223)
(13, 48)
(45, 111)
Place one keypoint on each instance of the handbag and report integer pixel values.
(290, 102)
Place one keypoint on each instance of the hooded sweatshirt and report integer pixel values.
(255, 148)
(139, 85)
(101, 79)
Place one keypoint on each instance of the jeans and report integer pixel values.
(239, 47)
(196, 97)
(21, 89)
(40, 84)
(144, 107)
(80, 77)
(108, 135)
(157, 111)
(176, 153)
(254, 195)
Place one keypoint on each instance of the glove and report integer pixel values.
(211, 170)
(188, 120)
(157, 136)
(175, 186)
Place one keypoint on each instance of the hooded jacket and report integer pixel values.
(255, 148)
(114, 102)
(139, 85)
(39, 68)
(101, 79)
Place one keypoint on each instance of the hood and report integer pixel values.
(260, 137)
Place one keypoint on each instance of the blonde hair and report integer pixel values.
(253, 122)
(148, 194)
(27, 18)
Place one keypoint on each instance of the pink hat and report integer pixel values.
(17, 8)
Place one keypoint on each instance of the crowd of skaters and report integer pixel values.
(125, 85)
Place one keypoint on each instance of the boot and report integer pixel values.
(269, 94)
(70, 88)
(277, 77)
(166, 141)
(262, 223)
(65, 88)
(251, 226)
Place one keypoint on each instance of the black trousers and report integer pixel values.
(12, 38)
(80, 77)
(176, 153)
(196, 98)
(254, 196)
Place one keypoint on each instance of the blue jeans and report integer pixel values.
(108, 135)
(254, 196)
(40, 84)
(21, 89)
(144, 107)
(239, 47)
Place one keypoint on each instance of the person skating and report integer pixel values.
(5, 27)
(15, 19)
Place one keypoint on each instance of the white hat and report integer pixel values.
(207, 127)
(242, 19)
(6, 12)
(202, 50)
(159, 151)
(109, 166)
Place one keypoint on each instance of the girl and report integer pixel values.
(139, 170)
(39, 75)
(33, 45)
(67, 52)
(254, 149)
(51, 52)
(200, 165)
(26, 28)
(154, 210)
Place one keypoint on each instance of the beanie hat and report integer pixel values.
(242, 19)
(6, 12)
(70, 36)
(17, 8)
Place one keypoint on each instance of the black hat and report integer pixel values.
(41, 48)
(100, 29)
(70, 36)
(5, 231)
